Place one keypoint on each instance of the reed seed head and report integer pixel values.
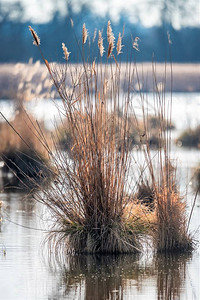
(119, 44)
(72, 22)
(35, 36)
(169, 38)
(135, 43)
(84, 34)
(65, 51)
(100, 44)
(94, 36)
(111, 39)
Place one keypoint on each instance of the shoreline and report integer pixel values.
(32, 79)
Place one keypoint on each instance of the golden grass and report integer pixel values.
(140, 217)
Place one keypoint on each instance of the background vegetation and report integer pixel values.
(13, 30)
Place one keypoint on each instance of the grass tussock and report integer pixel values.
(90, 195)
(88, 199)
(170, 232)
(91, 208)
(141, 218)
(24, 150)
(190, 138)
(171, 235)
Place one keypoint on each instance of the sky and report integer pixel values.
(148, 11)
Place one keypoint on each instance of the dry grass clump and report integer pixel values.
(27, 128)
(145, 193)
(172, 224)
(171, 228)
(190, 138)
(88, 200)
(24, 149)
(141, 218)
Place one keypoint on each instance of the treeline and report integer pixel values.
(16, 41)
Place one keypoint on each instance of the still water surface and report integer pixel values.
(25, 273)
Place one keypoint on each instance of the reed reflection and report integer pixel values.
(171, 275)
(102, 277)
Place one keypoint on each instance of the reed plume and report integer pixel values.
(65, 51)
(36, 38)
(119, 44)
(135, 43)
(100, 44)
(111, 39)
(94, 35)
(84, 34)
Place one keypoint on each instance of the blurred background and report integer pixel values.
(25, 86)
(150, 20)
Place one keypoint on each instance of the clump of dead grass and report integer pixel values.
(141, 218)
(190, 138)
(88, 200)
(171, 230)
(24, 150)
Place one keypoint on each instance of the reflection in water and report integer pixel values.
(171, 275)
(110, 277)
(102, 277)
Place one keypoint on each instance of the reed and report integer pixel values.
(170, 233)
(91, 195)
(135, 128)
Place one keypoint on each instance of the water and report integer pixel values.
(185, 109)
(26, 273)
